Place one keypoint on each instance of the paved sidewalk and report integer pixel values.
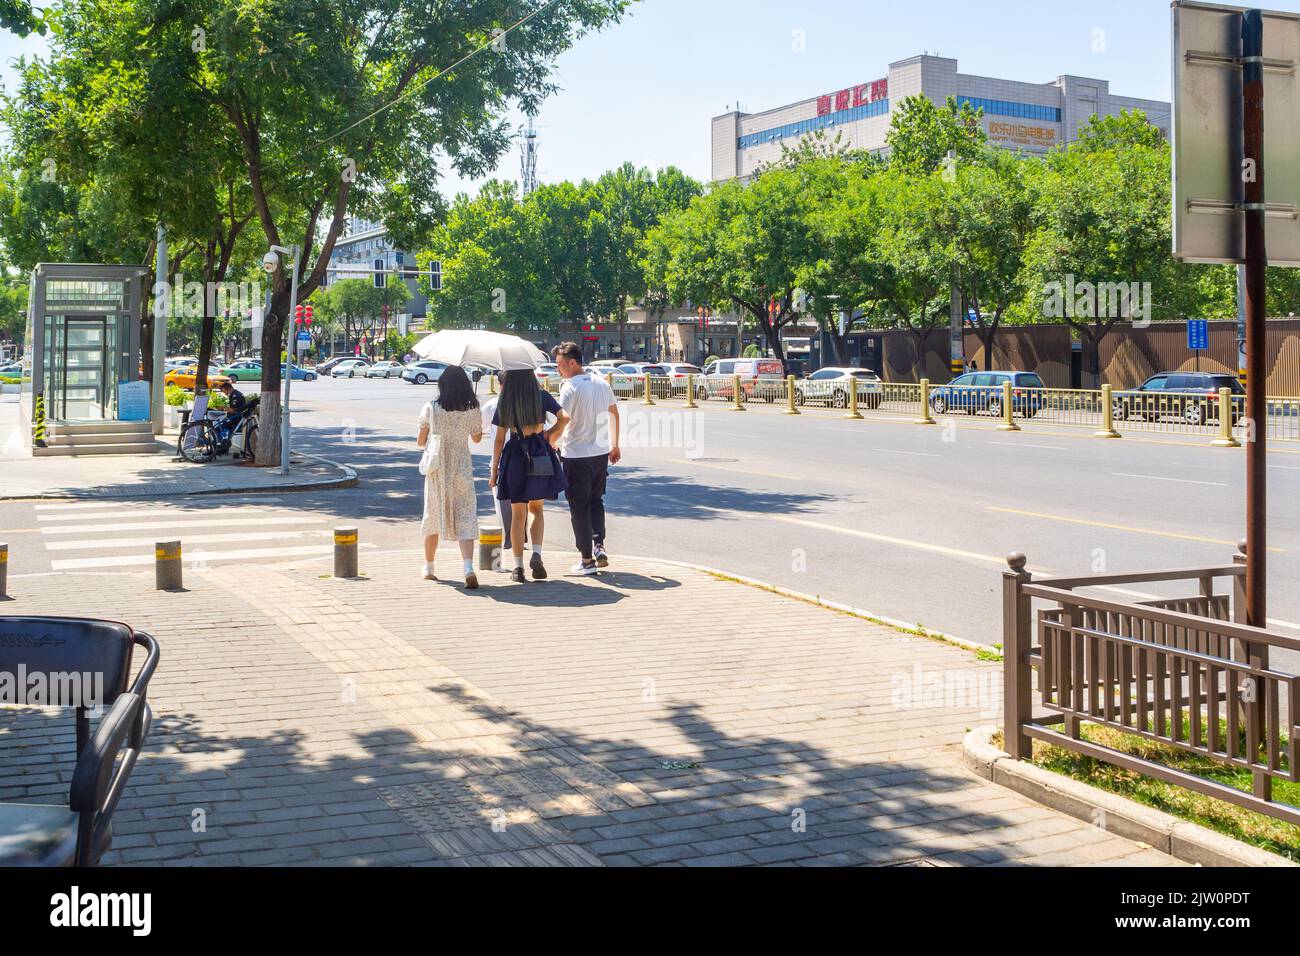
(654, 715)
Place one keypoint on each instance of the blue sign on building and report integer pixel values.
(1198, 335)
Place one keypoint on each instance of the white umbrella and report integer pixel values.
(479, 347)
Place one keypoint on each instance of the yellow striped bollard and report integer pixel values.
(737, 396)
(790, 396)
(645, 398)
(690, 391)
(345, 552)
(489, 547)
(167, 566)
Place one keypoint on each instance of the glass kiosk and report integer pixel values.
(83, 345)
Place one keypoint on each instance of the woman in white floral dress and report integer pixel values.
(450, 501)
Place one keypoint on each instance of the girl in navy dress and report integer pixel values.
(526, 470)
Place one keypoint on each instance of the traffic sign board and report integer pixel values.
(1198, 334)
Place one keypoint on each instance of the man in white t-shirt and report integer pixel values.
(588, 446)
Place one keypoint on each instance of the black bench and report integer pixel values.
(79, 833)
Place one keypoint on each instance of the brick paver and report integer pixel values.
(652, 716)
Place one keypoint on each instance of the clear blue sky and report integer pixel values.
(646, 89)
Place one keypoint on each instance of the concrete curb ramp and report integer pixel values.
(1181, 839)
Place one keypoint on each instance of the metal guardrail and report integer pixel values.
(1185, 672)
(1191, 413)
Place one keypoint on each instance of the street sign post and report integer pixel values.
(1235, 70)
(1212, 170)
(1198, 338)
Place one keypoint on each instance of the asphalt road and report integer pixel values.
(905, 521)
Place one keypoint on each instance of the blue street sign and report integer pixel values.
(1198, 334)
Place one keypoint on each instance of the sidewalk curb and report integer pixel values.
(1181, 839)
(347, 479)
(818, 601)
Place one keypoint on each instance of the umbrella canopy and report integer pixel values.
(479, 347)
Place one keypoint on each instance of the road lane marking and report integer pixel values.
(901, 542)
(106, 543)
(1119, 527)
(183, 523)
(896, 451)
(154, 513)
(1017, 444)
(192, 558)
(743, 471)
(1183, 481)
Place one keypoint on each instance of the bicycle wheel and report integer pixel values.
(250, 439)
(198, 442)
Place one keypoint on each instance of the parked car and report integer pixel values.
(385, 370)
(423, 372)
(328, 367)
(300, 373)
(248, 370)
(349, 368)
(835, 386)
(977, 392)
(185, 377)
(624, 385)
(547, 371)
(1191, 396)
(759, 378)
(11, 368)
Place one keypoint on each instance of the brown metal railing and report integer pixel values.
(1185, 672)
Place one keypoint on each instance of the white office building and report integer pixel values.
(1033, 117)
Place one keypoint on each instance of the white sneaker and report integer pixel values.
(584, 569)
(428, 571)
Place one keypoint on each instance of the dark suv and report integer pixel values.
(1191, 396)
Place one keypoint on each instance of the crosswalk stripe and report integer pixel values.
(195, 557)
(92, 505)
(180, 523)
(107, 543)
(153, 513)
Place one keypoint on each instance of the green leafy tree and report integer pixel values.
(329, 108)
(921, 134)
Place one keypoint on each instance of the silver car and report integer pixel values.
(833, 386)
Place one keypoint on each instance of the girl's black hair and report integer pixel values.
(520, 405)
(455, 393)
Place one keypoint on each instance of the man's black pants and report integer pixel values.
(586, 497)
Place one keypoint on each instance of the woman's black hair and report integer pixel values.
(455, 393)
(520, 405)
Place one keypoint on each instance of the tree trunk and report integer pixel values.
(206, 332)
(268, 411)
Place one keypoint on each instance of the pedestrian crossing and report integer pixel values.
(106, 535)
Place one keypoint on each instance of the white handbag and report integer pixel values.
(432, 448)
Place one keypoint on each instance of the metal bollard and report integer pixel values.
(609, 380)
(1008, 411)
(690, 391)
(789, 396)
(1107, 429)
(737, 396)
(492, 384)
(167, 566)
(489, 547)
(926, 418)
(853, 403)
(646, 399)
(1225, 439)
(4, 572)
(345, 552)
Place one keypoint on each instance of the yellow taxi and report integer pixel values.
(184, 376)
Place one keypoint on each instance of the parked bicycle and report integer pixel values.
(206, 439)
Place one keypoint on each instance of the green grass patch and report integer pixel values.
(1248, 826)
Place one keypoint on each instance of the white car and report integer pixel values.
(350, 368)
(834, 385)
(385, 370)
(423, 372)
(547, 372)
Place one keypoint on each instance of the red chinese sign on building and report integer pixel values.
(852, 97)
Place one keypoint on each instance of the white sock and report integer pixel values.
(519, 562)
(469, 566)
(537, 549)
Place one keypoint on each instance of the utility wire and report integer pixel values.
(415, 89)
